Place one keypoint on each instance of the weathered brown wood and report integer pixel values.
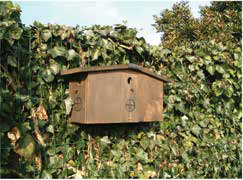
(77, 91)
(116, 67)
(104, 96)
(150, 99)
(117, 94)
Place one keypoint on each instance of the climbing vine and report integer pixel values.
(200, 136)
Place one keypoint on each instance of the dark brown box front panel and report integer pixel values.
(118, 96)
(105, 92)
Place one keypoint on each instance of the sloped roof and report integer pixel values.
(116, 67)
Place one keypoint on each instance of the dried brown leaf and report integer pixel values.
(217, 135)
(14, 136)
(35, 116)
(83, 56)
(41, 113)
(38, 161)
(160, 137)
(39, 137)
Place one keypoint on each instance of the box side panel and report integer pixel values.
(150, 99)
(77, 93)
(105, 92)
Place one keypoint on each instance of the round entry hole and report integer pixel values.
(129, 80)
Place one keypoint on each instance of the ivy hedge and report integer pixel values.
(200, 136)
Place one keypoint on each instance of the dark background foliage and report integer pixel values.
(200, 136)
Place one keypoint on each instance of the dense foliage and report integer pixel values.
(200, 136)
(221, 22)
(204, 108)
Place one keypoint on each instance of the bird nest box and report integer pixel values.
(115, 94)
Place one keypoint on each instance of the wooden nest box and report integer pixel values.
(115, 94)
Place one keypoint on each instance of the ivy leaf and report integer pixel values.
(220, 69)
(185, 156)
(142, 155)
(210, 69)
(95, 55)
(72, 55)
(200, 74)
(26, 147)
(236, 56)
(139, 136)
(46, 34)
(208, 58)
(57, 51)
(68, 104)
(229, 91)
(55, 68)
(139, 50)
(71, 128)
(46, 175)
(15, 33)
(105, 140)
(196, 130)
(56, 162)
(47, 75)
(190, 58)
(144, 143)
(12, 61)
(50, 129)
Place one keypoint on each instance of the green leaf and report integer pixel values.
(47, 75)
(208, 58)
(211, 69)
(173, 150)
(105, 140)
(196, 130)
(72, 55)
(144, 143)
(141, 155)
(55, 68)
(15, 33)
(220, 69)
(95, 55)
(216, 58)
(236, 56)
(25, 127)
(46, 34)
(185, 156)
(57, 51)
(12, 61)
(71, 128)
(139, 136)
(46, 175)
(200, 74)
(50, 129)
(26, 147)
(42, 123)
(139, 50)
(56, 162)
(190, 58)
(68, 104)
(229, 91)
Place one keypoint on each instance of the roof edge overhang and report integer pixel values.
(116, 67)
